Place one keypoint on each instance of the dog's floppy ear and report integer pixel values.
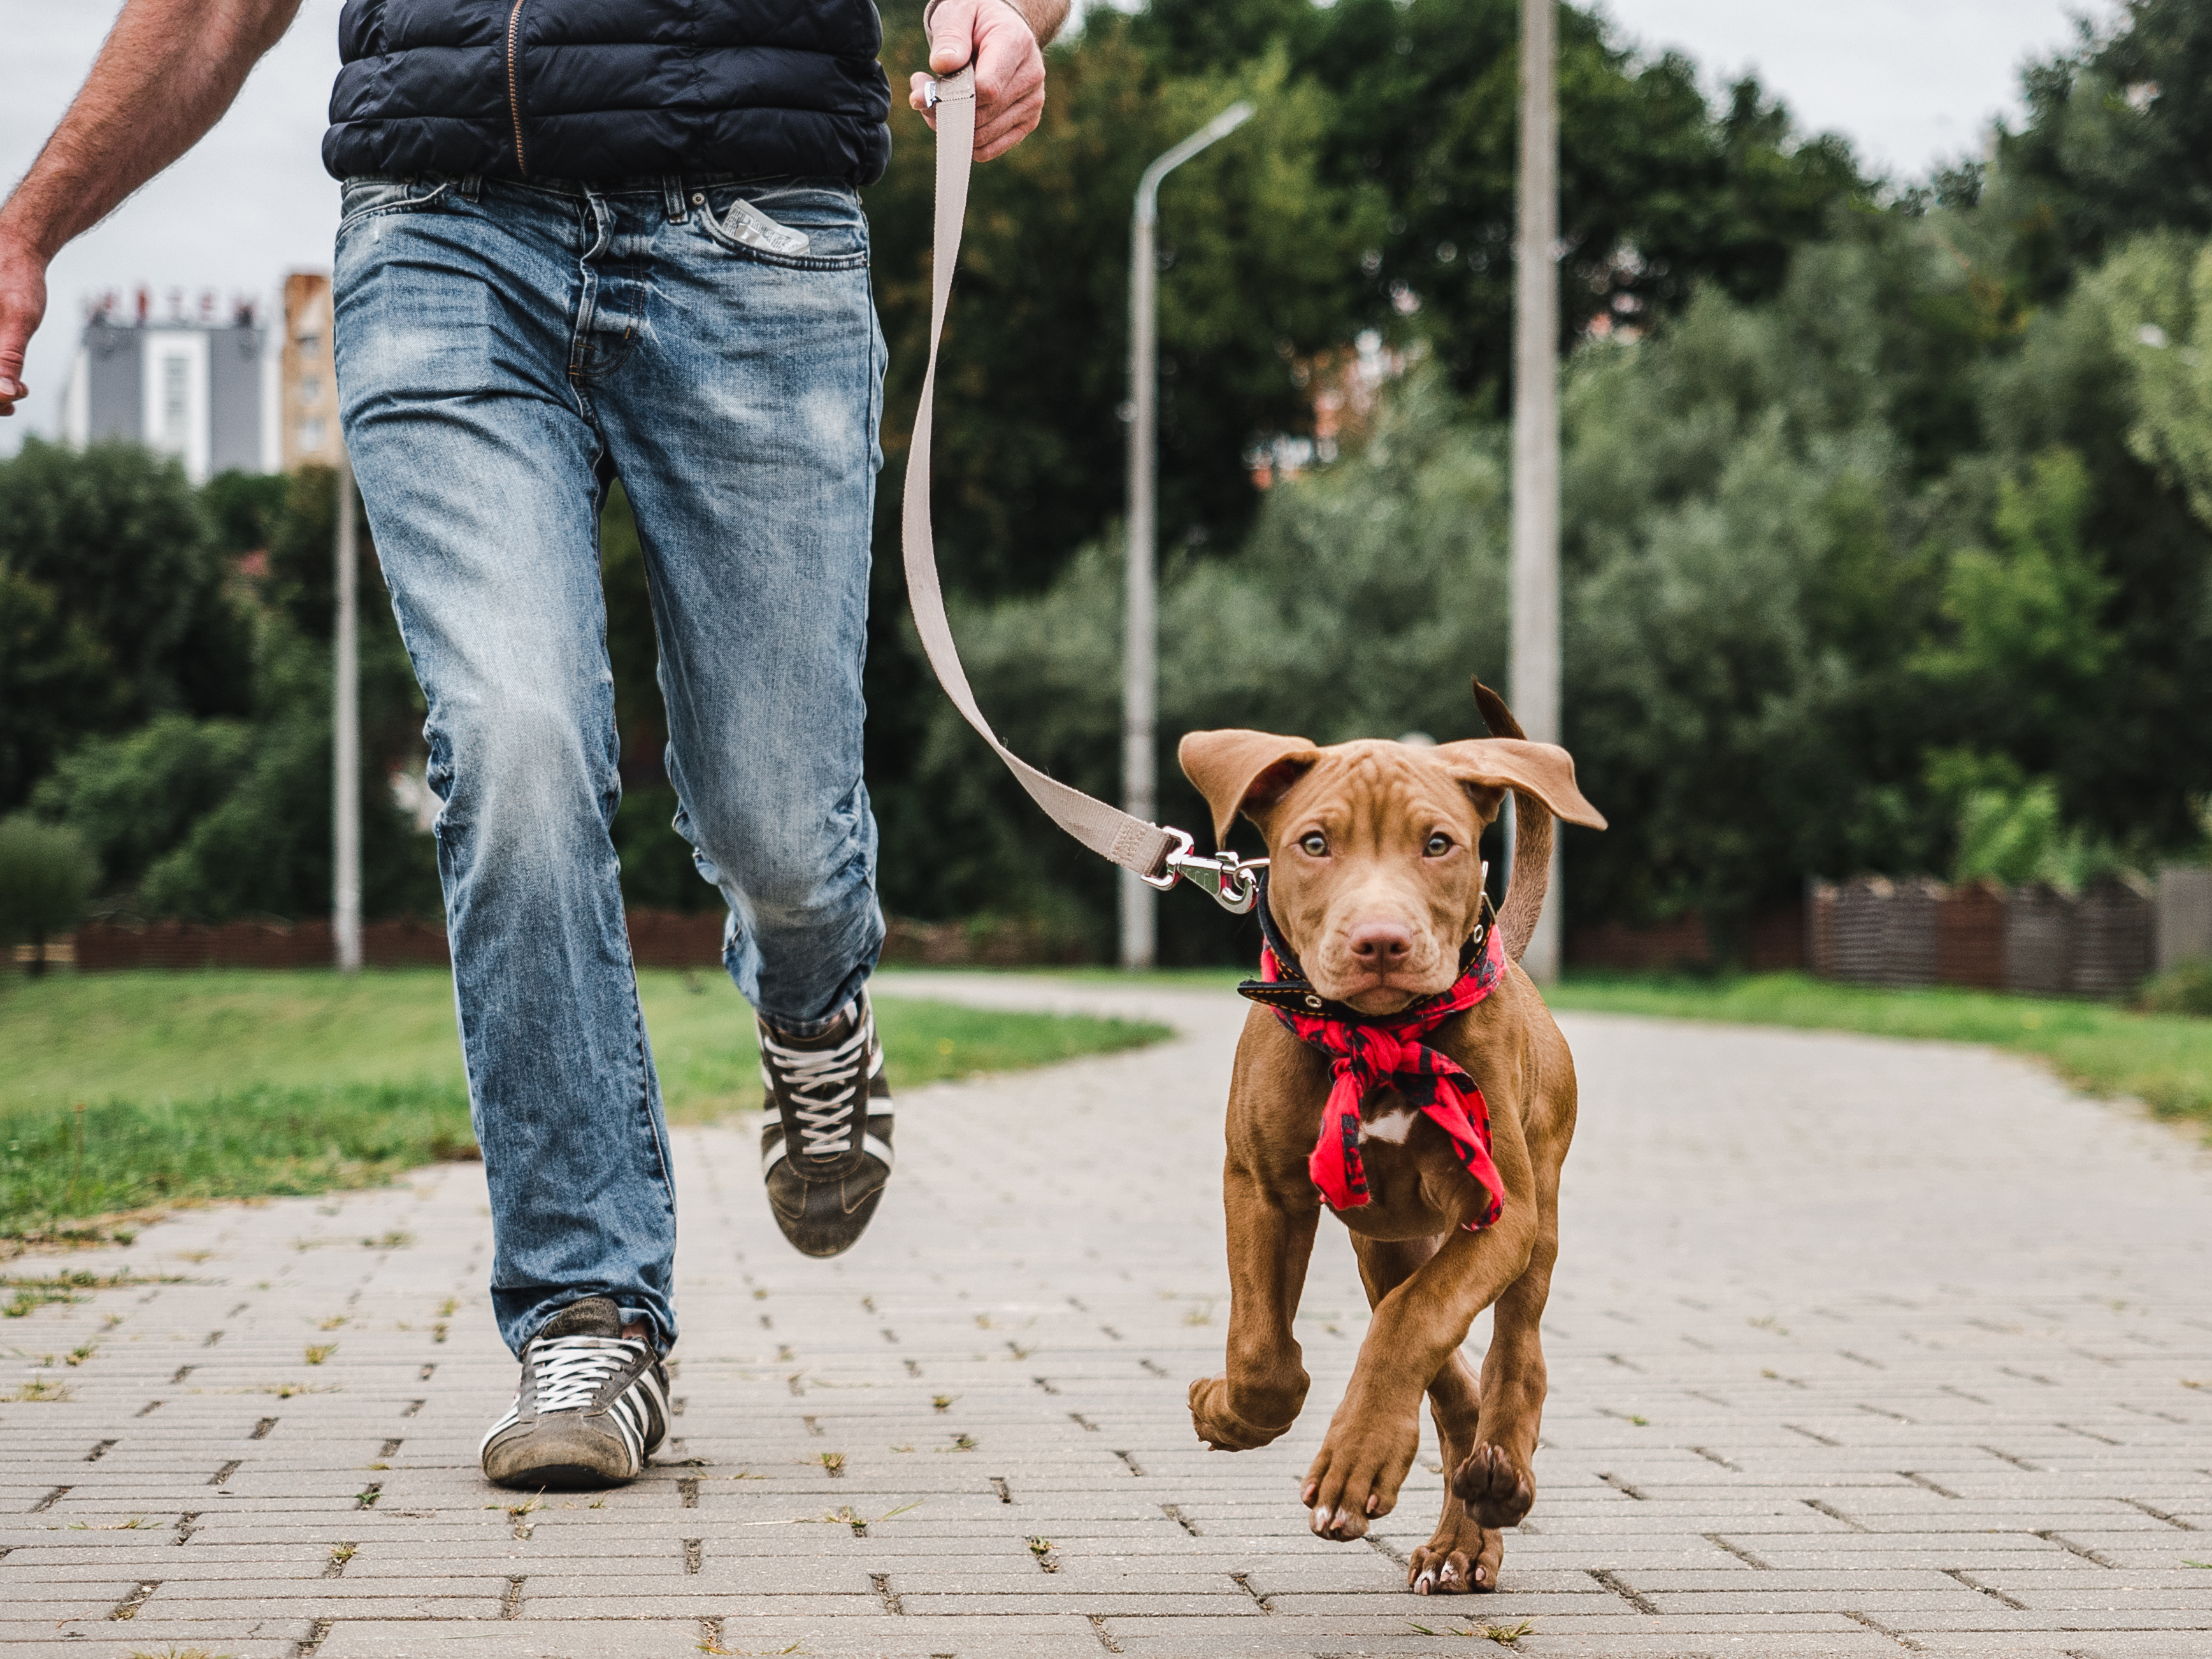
(1542, 770)
(1239, 770)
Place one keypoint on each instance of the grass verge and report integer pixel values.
(2164, 1060)
(127, 1090)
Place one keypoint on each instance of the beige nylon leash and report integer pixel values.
(1160, 856)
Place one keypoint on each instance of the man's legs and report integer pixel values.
(479, 469)
(740, 400)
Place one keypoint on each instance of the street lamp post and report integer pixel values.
(1139, 642)
(345, 746)
(1535, 628)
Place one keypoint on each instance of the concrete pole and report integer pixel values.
(1140, 623)
(1535, 640)
(345, 746)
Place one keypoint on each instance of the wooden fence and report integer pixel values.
(2034, 939)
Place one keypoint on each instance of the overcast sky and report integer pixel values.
(1911, 82)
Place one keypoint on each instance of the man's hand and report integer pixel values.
(22, 303)
(169, 70)
(1006, 41)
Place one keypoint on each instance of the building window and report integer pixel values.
(311, 434)
(311, 389)
(310, 345)
(175, 401)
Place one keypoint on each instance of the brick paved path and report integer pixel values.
(1858, 1348)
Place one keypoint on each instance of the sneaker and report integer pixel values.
(591, 1407)
(824, 1155)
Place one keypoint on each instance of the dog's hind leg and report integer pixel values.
(1259, 1396)
(1463, 1555)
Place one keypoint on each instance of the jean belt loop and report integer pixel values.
(471, 187)
(671, 197)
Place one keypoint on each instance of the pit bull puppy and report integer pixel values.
(1412, 1014)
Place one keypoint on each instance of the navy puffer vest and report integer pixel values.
(610, 89)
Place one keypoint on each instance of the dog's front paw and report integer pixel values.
(1220, 1426)
(1494, 1485)
(1462, 1559)
(1356, 1475)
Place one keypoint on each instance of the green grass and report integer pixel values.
(125, 1091)
(2164, 1060)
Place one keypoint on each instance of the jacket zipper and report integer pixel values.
(513, 96)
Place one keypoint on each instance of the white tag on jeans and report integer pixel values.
(746, 223)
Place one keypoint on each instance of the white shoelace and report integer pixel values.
(568, 1371)
(823, 1085)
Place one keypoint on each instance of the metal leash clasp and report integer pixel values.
(960, 84)
(1230, 881)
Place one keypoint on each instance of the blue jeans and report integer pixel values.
(503, 351)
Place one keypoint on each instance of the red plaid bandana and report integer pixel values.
(1365, 1056)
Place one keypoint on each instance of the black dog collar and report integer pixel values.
(1294, 992)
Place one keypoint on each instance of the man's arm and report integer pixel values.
(1005, 40)
(168, 72)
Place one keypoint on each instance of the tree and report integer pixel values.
(46, 873)
(1259, 255)
(1659, 193)
(2118, 142)
(134, 797)
(58, 680)
(116, 604)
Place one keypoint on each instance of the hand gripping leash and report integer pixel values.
(1160, 856)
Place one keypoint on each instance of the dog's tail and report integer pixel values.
(1532, 838)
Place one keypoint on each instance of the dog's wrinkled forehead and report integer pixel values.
(1375, 788)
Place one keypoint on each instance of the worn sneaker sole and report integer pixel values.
(821, 1225)
(560, 1453)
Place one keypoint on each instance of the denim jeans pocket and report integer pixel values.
(360, 198)
(796, 225)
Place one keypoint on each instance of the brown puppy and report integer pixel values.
(1376, 886)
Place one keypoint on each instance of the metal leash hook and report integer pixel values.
(1230, 881)
(961, 83)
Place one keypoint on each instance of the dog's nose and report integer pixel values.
(1380, 944)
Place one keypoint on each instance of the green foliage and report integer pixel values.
(2183, 988)
(2155, 300)
(263, 848)
(46, 873)
(1356, 607)
(114, 604)
(133, 797)
(1809, 627)
(2117, 141)
(58, 680)
(1660, 192)
(2021, 837)
(1259, 262)
(2026, 647)
(1732, 498)
(216, 816)
(246, 509)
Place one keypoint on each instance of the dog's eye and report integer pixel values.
(1439, 844)
(1315, 845)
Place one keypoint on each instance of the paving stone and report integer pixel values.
(1843, 1362)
